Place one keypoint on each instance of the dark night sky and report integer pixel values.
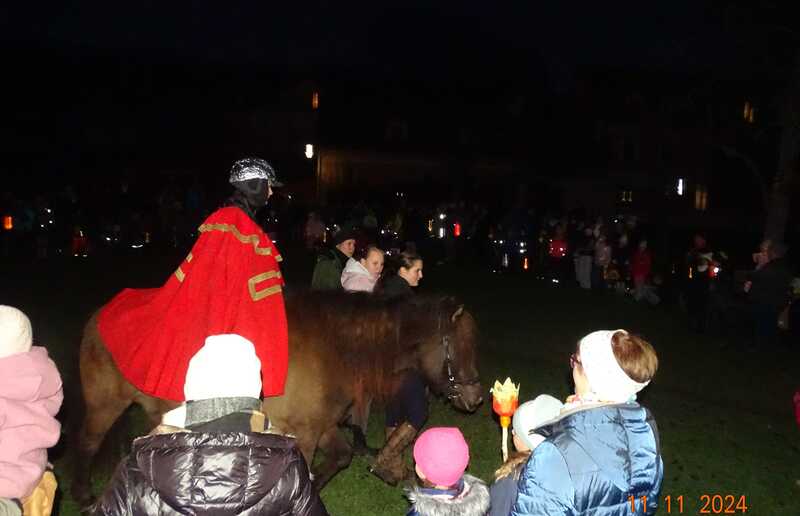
(408, 35)
(91, 65)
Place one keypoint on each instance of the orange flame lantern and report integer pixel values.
(505, 400)
(8, 222)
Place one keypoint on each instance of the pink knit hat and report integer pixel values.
(442, 455)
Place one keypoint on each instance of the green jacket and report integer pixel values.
(328, 271)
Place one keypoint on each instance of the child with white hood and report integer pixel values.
(527, 418)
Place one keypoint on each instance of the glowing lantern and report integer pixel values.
(457, 229)
(309, 151)
(558, 248)
(525, 263)
(505, 400)
(315, 100)
(8, 222)
(430, 225)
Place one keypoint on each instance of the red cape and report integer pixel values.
(229, 283)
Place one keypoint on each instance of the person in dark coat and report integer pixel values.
(330, 263)
(212, 455)
(401, 274)
(604, 447)
(699, 259)
(768, 292)
(407, 410)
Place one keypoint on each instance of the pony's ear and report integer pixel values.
(457, 313)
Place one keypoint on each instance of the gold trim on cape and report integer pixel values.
(245, 239)
(179, 274)
(257, 295)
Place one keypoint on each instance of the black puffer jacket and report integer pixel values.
(212, 474)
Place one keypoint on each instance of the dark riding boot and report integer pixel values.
(389, 465)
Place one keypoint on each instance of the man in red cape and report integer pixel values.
(229, 283)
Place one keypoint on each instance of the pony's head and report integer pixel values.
(448, 356)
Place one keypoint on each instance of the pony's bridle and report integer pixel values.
(454, 388)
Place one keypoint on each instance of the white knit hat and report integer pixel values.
(606, 378)
(16, 335)
(225, 367)
(533, 414)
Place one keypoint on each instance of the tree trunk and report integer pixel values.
(788, 159)
(781, 189)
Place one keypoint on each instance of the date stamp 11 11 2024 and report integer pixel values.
(704, 504)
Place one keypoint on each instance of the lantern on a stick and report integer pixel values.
(505, 399)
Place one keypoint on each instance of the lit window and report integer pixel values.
(681, 186)
(701, 198)
(315, 100)
(749, 113)
(626, 196)
(309, 151)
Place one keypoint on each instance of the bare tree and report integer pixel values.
(785, 178)
(765, 23)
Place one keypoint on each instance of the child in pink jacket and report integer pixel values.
(363, 270)
(30, 396)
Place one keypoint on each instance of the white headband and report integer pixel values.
(606, 378)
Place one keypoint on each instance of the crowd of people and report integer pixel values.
(196, 345)
(597, 451)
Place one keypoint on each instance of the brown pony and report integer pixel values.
(345, 350)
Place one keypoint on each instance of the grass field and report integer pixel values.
(725, 416)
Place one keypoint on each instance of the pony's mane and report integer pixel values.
(370, 336)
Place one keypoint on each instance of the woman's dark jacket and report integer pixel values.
(395, 287)
(212, 473)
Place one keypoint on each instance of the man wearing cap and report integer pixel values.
(330, 263)
(229, 283)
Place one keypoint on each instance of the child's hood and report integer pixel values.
(29, 376)
(474, 500)
(353, 266)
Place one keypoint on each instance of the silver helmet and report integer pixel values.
(253, 168)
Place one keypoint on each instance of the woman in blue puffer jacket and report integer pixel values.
(601, 455)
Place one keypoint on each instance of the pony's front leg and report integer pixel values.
(337, 455)
(357, 422)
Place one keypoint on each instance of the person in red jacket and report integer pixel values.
(641, 265)
(229, 283)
